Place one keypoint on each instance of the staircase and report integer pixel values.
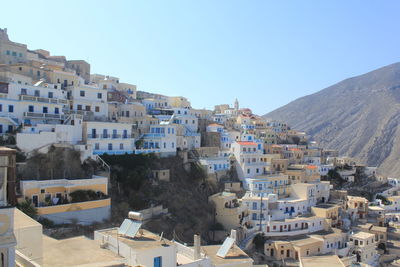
(103, 163)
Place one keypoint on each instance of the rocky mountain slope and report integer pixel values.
(359, 116)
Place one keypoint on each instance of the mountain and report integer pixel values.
(359, 116)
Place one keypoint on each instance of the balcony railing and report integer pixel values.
(43, 99)
(112, 152)
(153, 135)
(44, 115)
(110, 136)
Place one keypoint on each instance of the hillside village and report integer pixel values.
(160, 183)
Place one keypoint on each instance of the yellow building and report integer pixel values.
(178, 102)
(65, 200)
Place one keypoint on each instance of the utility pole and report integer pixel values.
(261, 212)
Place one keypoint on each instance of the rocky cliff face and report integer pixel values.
(359, 116)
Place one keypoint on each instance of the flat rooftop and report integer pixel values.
(21, 220)
(142, 241)
(318, 261)
(326, 206)
(362, 235)
(235, 255)
(77, 251)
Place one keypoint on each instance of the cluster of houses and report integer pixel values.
(277, 192)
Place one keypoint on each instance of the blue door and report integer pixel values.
(157, 262)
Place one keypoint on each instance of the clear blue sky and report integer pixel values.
(265, 53)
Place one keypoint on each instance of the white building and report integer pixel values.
(89, 100)
(109, 137)
(161, 139)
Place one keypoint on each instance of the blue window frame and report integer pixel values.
(114, 133)
(45, 110)
(10, 108)
(254, 216)
(31, 108)
(56, 111)
(254, 205)
(125, 133)
(109, 146)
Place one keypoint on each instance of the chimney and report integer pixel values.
(233, 234)
(197, 244)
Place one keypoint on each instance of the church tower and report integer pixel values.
(236, 104)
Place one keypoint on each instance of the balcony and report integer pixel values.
(153, 135)
(147, 151)
(109, 136)
(112, 152)
(42, 99)
(44, 115)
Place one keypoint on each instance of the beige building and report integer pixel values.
(318, 261)
(295, 249)
(11, 52)
(365, 247)
(357, 207)
(329, 212)
(162, 175)
(228, 210)
(379, 232)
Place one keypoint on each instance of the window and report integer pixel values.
(82, 93)
(79, 107)
(97, 109)
(38, 73)
(121, 146)
(1, 107)
(96, 146)
(14, 53)
(23, 91)
(254, 205)
(87, 108)
(109, 146)
(31, 108)
(158, 261)
(10, 108)
(50, 95)
(99, 95)
(56, 111)
(8, 52)
(37, 93)
(254, 216)
(45, 110)
(1, 128)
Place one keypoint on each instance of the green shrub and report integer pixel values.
(28, 208)
(86, 195)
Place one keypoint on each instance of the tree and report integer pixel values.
(27, 207)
